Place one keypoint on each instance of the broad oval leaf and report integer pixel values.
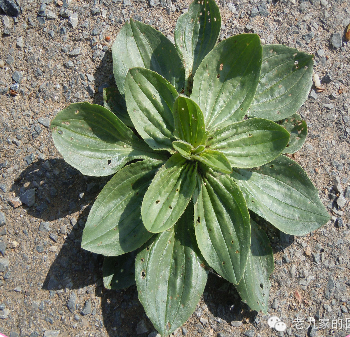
(170, 277)
(215, 160)
(284, 84)
(119, 271)
(169, 194)
(189, 121)
(114, 225)
(115, 102)
(150, 99)
(249, 143)
(226, 80)
(222, 226)
(96, 142)
(196, 33)
(183, 148)
(281, 193)
(254, 286)
(298, 131)
(140, 45)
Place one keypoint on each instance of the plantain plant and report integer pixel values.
(195, 136)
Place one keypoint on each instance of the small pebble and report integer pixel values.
(2, 219)
(336, 40)
(15, 202)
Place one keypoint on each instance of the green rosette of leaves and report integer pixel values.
(194, 136)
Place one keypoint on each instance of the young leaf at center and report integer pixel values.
(169, 194)
(189, 121)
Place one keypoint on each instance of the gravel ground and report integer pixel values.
(56, 52)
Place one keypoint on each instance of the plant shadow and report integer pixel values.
(58, 189)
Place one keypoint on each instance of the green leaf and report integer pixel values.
(284, 84)
(196, 33)
(215, 160)
(114, 225)
(254, 286)
(298, 131)
(249, 143)
(281, 193)
(119, 271)
(115, 102)
(183, 148)
(96, 142)
(222, 226)
(169, 194)
(189, 121)
(226, 80)
(169, 276)
(140, 45)
(150, 99)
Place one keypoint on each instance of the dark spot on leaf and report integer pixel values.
(218, 76)
(261, 286)
(60, 132)
(143, 274)
(271, 166)
(109, 162)
(232, 241)
(170, 207)
(223, 262)
(199, 219)
(157, 201)
(237, 251)
(142, 259)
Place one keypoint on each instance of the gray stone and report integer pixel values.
(346, 195)
(90, 78)
(28, 197)
(341, 201)
(4, 264)
(249, 333)
(39, 248)
(95, 11)
(87, 308)
(20, 42)
(71, 304)
(75, 52)
(4, 313)
(45, 227)
(44, 121)
(336, 40)
(236, 324)
(10, 7)
(2, 219)
(73, 20)
(42, 9)
(141, 327)
(69, 64)
(13, 334)
(51, 333)
(53, 237)
(51, 15)
(29, 159)
(2, 248)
